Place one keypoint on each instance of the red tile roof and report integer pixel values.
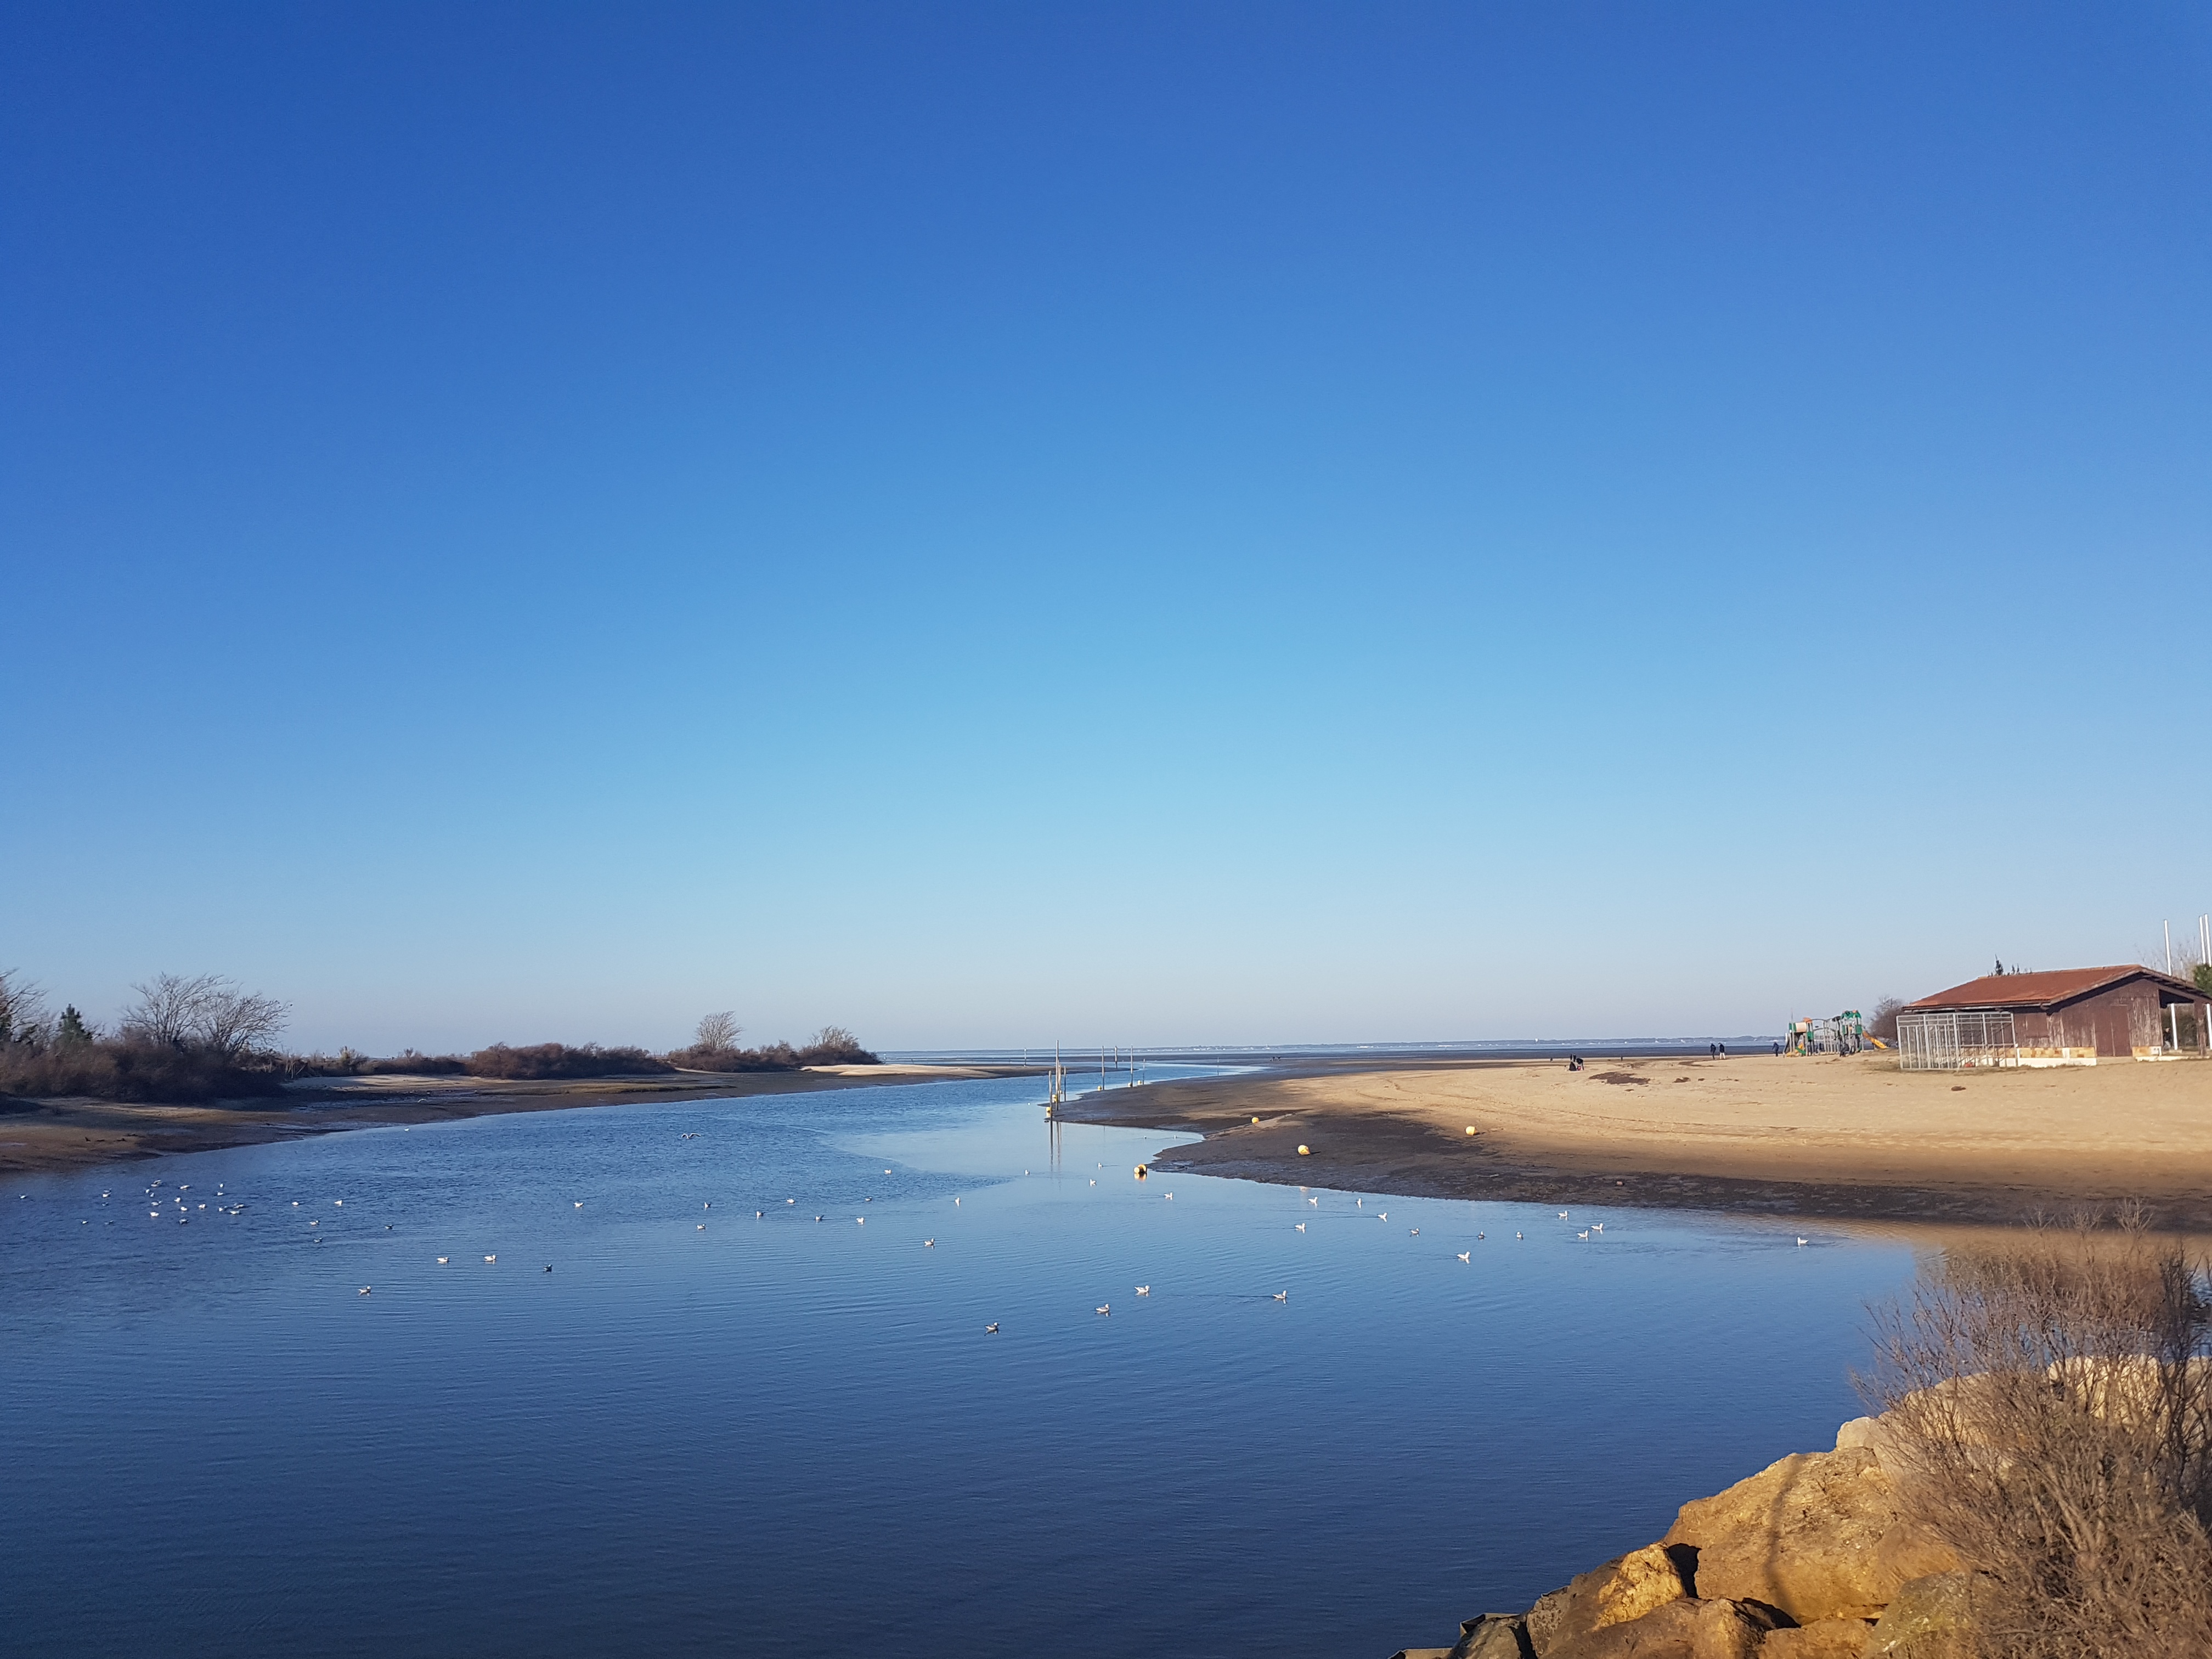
(2042, 990)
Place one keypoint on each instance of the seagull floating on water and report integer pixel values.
(1583, 1234)
(1105, 1308)
(1282, 1295)
(1466, 1255)
(1144, 1290)
(442, 1262)
(991, 1329)
(1804, 1241)
(1417, 1232)
(928, 1244)
(1302, 1226)
(491, 1258)
(364, 1290)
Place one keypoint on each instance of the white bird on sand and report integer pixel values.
(1302, 1226)
(1144, 1290)
(1282, 1295)
(992, 1329)
(1105, 1308)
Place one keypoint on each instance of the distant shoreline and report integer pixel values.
(49, 1136)
(1831, 1139)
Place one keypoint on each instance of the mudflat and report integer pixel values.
(61, 1135)
(1840, 1137)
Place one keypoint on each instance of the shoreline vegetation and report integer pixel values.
(193, 1066)
(2036, 1483)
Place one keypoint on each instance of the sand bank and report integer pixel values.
(1843, 1138)
(60, 1134)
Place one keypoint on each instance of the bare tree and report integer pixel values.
(203, 1011)
(22, 1008)
(718, 1033)
(168, 1008)
(1884, 1023)
(2052, 1416)
(232, 1022)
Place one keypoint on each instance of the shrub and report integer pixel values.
(2052, 1408)
(408, 1063)
(128, 1069)
(554, 1060)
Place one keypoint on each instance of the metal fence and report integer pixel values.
(1956, 1039)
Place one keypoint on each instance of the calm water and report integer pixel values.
(777, 1435)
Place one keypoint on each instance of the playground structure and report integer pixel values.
(1844, 1033)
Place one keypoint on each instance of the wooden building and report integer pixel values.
(2067, 1017)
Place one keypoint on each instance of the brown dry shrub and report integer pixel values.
(2051, 1405)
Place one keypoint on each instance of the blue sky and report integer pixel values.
(1142, 524)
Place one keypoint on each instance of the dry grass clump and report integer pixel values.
(2051, 1410)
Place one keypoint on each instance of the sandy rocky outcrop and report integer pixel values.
(1811, 1558)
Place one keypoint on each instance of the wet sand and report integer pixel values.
(1843, 1139)
(61, 1134)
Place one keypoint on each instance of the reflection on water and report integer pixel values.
(707, 1431)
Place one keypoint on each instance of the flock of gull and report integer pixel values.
(175, 1206)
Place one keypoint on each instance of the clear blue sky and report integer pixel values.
(1141, 524)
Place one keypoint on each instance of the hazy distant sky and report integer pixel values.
(1143, 524)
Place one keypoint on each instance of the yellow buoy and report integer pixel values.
(1305, 1151)
(1142, 1172)
(1470, 1129)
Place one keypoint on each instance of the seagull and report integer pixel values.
(1171, 1194)
(491, 1258)
(817, 1217)
(1583, 1234)
(1466, 1254)
(549, 1266)
(1482, 1236)
(1105, 1308)
(861, 1219)
(442, 1262)
(1563, 1215)
(791, 1201)
(1314, 1201)
(364, 1290)
(1417, 1232)
(758, 1215)
(1597, 1226)
(703, 1206)
(1385, 1215)
(703, 1226)
(928, 1244)
(1282, 1295)
(956, 1201)
(1804, 1241)
(580, 1203)
(1144, 1290)
(991, 1329)
(339, 1202)
(1302, 1226)
(1358, 1203)
(1094, 1183)
(887, 1172)
(1516, 1234)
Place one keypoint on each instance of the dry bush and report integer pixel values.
(2051, 1409)
(131, 1069)
(832, 1045)
(554, 1060)
(1884, 1023)
(203, 1012)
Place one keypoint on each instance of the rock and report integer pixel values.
(1493, 1636)
(1422, 1653)
(1803, 1535)
(1624, 1589)
(1682, 1629)
(1830, 1638)
(1932, 1618)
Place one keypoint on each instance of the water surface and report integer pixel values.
(709, 1432)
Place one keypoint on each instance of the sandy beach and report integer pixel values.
(1847, 1138)
(61, 1135)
